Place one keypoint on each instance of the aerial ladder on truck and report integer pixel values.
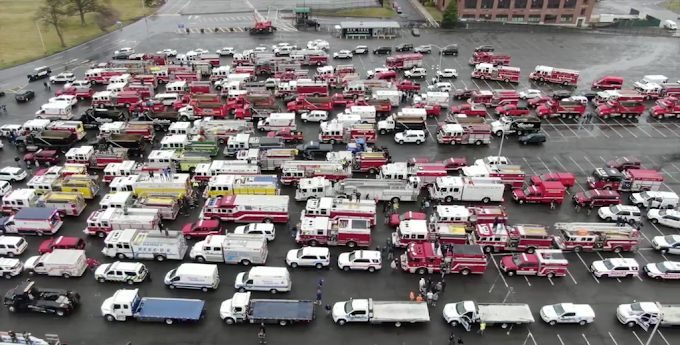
(262, 24)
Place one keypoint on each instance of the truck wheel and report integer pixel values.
(66, 275)
(267, 220)
(121, 256)
(351, 244)
(465, 271)
(395, 200)
(531, 250)
(606, 116)
(39, 233)
(506, 80)
(109, 318)
(618, 250)
(550, 275)
(541, 79)
(204, 289)
(478, 143)
(510, 273)
(169, 321)
(448, 199)
(577, 249)
(341, 322)
(229, 321)
(332, 141)
(200, 259)
(245, 262)
(582, 322)
(486, 200)
(499, 134)
(608, 188)
(283, 322)
(397, 324)
(31, 273)
(160, 258)
(372, 171)
(421, 271)
(274, 291)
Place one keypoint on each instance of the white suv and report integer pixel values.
(629, 213)
(63, 78)
(314, 116)
(264, 229)
(68, 99)
(615, 268)
(410, 136)
(669, 218)
(318, 257)
(226, 51)
(10, 267)
(366, 260)
(12, 174)
(669, 244)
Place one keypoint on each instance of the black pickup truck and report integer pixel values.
(27, 297)
(313, 148)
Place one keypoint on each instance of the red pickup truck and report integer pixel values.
(44, 157)
(469, 110)
(303, 104)
(187, 98)
(432, 110)
(287, 135)
(407, 85)
(512, 110)
(80, 92)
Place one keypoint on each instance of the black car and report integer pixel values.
(121, 56)
(39, 73)
(382, 51)
(27, 297)
(451, 49)
(313, 148)
(404, 47)
(487, 48)
(560, 94)
(2, 93)
(589, 94)
(24, 95)
(533, 138)
(463, 93)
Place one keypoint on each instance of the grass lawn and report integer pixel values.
(20, 42)
(673, 5)
(373, 12)
(436, 14)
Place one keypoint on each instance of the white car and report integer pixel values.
(226, 51)
(567, 313)
(127, 50)
(10, 267)
(417, 72)
(669, 218)
(121, 272)
(426, 49)
(631, 214)
(281, 45)
(167, 52)
(663, 270)
(373, 72)
(201, 51)
(70, 99)
(314, 116)
(669, 244)
(440, 87)
(318, 257)
(343, 54)
(265, 229)
(260, 49)
(283, 51)
(582, 99)
(493, 160)
(615, 268)
(410, 136)
(447, 73)
(5, 188)
(12, 174)
(63, 78)
(365, 260)
(78, 83)
(530, 93)
(361, 50)
(318, 44)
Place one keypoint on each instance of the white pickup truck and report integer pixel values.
(505, 314)
(648, 313)
(367, 310)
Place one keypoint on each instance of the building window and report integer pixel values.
(554, 3)
(566, 18)
(518, 18)
(534, 18)
(520, 3)
(501, 18)
(549, 18)
(583, 11)
(469, 17)
(470, 3)
(569, 3)
(503, 4)
(488, 4)
(536, 3)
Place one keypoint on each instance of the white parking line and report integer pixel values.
(568, 127)
(500, 272)
(572, 278)
(624, 127)
(612, 128)
(663, 171)
(638, 338)
(651, 125)
(587, 267)
(527, 279)
(614, 340)
(560, 339)
(662, 337)
(591, 163)
(586, 339)
(529, 165)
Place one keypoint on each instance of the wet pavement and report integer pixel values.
(571, 147)
(653, 8)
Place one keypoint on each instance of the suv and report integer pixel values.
(410, 136)
(451, 49)
(615, 267)
(597, 197)
(39, 73)
(61, 242)
(360, 50)
(630, 214)
(404, 47)
(463, 93)
(46, 157)
(424, 49)
(314, 148)
(560, 94)
(382, 51)
(318, 257)
(487, 48)
(625, 163)
(12, 174)
(10, 267)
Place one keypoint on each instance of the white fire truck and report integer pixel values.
(418, 231)
(338, 132)
(18, 199)
(175, 185)
(470, 216)
(372, 189)
(205, 171)
(145, 244)
(267, 160)
(242, 249)
(247, 209)
(455, 134)
(293, 171)
(427, 173)
(166, 205)
(597, 237)
(342, 232)
(125, 168)
(102, 222)
(336, 209)
(453, 188)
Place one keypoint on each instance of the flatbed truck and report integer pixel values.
(370, 311)
(646, 314)
(127, 304)
(468, 312)
(241, 308)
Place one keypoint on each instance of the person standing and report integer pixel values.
(390, 253)
(443, 282)
(435, 298)
(452, 339)
(327, 308)
(393, 266)
(459, 341)
(553, 205)
(412, 296)
(482, 327)
(429, 296)
(421, 284)
(318, 296)
(262, 336)
(590, 207)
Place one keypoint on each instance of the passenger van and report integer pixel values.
(655, 200)
(670, 25)
(264, 278)
(204, 277)
(167, 98)
(608, 83)
(265, 229)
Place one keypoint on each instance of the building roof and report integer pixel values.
(370, 25)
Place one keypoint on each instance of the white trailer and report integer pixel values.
(65, 263)
(468, 312)
(648, 314)
(370, 189)
(243, 249)
(159, 245)
(369, 311)
(454, 188)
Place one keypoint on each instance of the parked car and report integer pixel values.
(415, 32)
(403, 47)
(530, 93)
(384, 50)
(451, 49)
(424, 49)
(167, 52)
(63, 78)
(12, 174)
(24, 95)
(343, 54)
(533, 138)
(487, 48)
(447, 73)
(318, 257)
(361, 50)
(560, 94)
(226, 51)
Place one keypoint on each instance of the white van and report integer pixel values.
(121, 272)
(655, 199)
(265, 229)
(121, 79)
(348, 119)
(239, 77)
(193, 276)
(11, 246)
(670, 25)
(167, 98)
(116, 87)
(58, 110)
(365, 112)
(262, 278)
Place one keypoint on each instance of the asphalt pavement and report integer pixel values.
(571, 147)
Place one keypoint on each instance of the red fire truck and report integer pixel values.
(370, 162)
(622, 95)
(469, 216)
(519, 237)
(498, 73)
(352, 233)
(555, 75)
(488, 57)
(624, 109)
(111, 99)
(405, 61)
(247, 209)
(306, 103)
(337, 132)
(312, 88)
(494, 98)
(103, 75)
(665, 108)
(292, 172)
(510, 175)
(544, 263)
(427, 173)
(545, 193)
(563, 109)
(187, 98)
(310, 57)
(469, 110)
(566, 179)
(605, 237)
(654, 90)
(424, 258)
(455, 134)
(336, 209)
(418, 231)
(253, 98)
(632, 180)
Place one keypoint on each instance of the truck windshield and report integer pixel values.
(172, 273)
(608, 265)
(460, 308)
(558, 309)
(348, 307)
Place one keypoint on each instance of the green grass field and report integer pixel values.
(373, 12)
(20, 42)
(435, 12)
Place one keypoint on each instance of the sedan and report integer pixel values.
(24, 95)
(424, 49)
(62, 78)
(226, 51)
(533, 138)
(560, 94)
(487, 48)
(121, 56)
(361, 50)
(567, 313)
(70, 99)
(415, 32)
(343, 54)
(167, 52)
(447, 73)
(126, 50)
(530, 93)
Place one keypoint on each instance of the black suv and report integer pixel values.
(24, 95)
(382, 50)
(121, 56)
(560, 94)
(487, 48)
(404, 47)
(313, 148)
(463, 93)
(451, 49)
(39, 73)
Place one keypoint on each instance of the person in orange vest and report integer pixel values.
(419, 298)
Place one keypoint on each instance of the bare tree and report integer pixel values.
(81, 7)
(52, 13)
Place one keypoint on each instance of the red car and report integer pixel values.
(512, 110)
(287, 135)
(625, 163)
(597, 197)
(340, 99)
(61, 242)
(45, 157)
(536, 101)
(202, 228)
(396, 219)
(454, 164)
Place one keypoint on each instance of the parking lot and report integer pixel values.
(571, 147)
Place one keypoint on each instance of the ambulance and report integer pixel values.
(145, 244)
(18, 199)
(223, 185)
(126, 168)
(175, 185)
(206, 171)
(159, 160)
(101, 222)
(94, 159)
(67, 169)
(167, 205)
(42, 184)
(80, 155)
(247, 209)
(86, 185)
(71, 204)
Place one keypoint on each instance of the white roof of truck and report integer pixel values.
(65, 256)
(401, 311)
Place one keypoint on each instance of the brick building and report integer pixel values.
(559, 12)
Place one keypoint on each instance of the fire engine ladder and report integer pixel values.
(596, 227)
(380, 183)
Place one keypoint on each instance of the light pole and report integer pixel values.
(439, 66)
(37, 24)
(656, 326)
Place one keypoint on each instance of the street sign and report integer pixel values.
(180, 26)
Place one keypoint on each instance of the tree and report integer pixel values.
(450, 17)
(53, 13)
(81, 7)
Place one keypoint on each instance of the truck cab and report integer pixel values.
(354, 310)
(236, 309)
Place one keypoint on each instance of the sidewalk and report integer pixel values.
(424, 13)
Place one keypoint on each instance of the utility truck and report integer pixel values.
(468, 312)
(648, 313)
(241, 308)
(127, 304)
(370, 311)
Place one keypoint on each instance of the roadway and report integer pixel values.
(570, 147)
